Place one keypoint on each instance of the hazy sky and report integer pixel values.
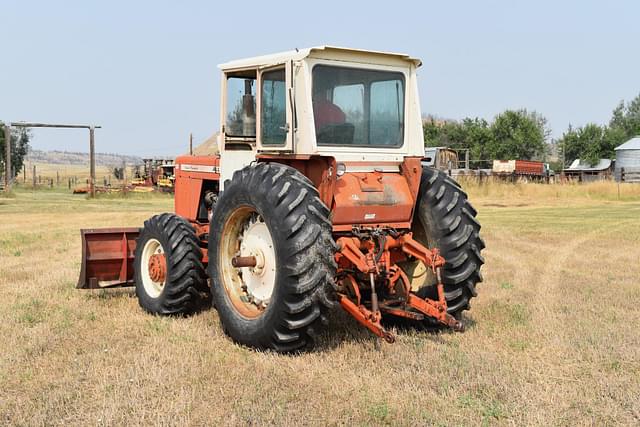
(146, 70)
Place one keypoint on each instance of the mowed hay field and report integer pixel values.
(553, 337)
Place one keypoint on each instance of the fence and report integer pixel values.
(41, 176)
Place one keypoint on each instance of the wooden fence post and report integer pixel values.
(7, 162)
(92, 160)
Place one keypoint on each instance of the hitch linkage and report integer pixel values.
(376, 263)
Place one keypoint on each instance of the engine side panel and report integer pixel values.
(191, 171)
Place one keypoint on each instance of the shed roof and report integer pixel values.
(632, 144)
(208, 148)
(582, 165)
(282, 57)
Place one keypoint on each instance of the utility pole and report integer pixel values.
(92, 160)
(191, 144)
(7, 162)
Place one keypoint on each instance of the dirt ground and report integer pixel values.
(553, 337)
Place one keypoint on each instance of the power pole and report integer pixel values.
(92, 159)
(191, 144)
(7, 162)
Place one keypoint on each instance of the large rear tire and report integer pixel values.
(273, 213)
(446, 220)
(169, 274)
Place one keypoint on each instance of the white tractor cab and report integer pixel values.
(354, 105)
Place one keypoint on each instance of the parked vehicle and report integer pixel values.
(317, 197)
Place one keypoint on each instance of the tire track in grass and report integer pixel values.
(557, 365)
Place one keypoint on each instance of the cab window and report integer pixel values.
(358, 107)
(241, 106)
(273, 117)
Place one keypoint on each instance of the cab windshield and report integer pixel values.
(358, 107)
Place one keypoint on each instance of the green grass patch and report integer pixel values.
(31, 313)
(489, 410)
(379, 412)
(506, 285)
(508, 314)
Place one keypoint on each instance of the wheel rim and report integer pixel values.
(245, 234)
(420, 277)
(153, 268)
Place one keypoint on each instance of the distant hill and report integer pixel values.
(75, 158)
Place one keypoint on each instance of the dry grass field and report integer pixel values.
(51, 171)
(553, 337)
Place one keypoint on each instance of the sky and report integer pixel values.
(146, 71)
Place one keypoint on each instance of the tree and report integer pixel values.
(593, 142)
(625, 121)
(589, 143)
(570, 146)
(513, 135)
(472, 134)
(440, 133)
(477, 138)
(19, 148)
(518, 134)
(591, 139)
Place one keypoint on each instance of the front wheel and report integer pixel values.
(271, 258)
(169, 274)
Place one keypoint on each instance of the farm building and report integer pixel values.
(628, 161)
(582, 171)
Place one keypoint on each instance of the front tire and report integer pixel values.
(273, 213)
(168, 270)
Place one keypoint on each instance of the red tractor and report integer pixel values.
(317, 198)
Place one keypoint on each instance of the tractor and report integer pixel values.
(316, 199)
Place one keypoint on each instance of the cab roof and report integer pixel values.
(318, 51)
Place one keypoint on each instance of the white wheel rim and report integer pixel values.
(152, 288)
(259, 280)
(249, 288)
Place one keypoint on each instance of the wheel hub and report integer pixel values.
(153, 268)
(157, 267)
(259, 280)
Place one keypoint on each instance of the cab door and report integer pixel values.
(275, 124)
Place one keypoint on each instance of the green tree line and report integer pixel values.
(513, 134)
(522, 134)
(593, 142)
